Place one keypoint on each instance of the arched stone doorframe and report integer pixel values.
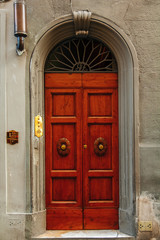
(123, 49)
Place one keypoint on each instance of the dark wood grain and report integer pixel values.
(105, 218)
(63, 173)
(100, 173)
(64, 218)
(63, 80)
(81, 108)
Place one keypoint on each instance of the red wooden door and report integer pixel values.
(81, 115)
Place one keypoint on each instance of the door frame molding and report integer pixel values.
(128, 82)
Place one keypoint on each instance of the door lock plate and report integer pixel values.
(38, 126)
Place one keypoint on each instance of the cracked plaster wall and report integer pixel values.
(149, 210)
(140, 20)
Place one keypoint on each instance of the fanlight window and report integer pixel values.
(81, 55)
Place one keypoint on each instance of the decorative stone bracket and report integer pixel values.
(82, 22)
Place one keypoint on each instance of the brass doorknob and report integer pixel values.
(63, 147)
(100, 146)
(85, 146)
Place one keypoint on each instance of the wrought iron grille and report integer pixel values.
(81, 55)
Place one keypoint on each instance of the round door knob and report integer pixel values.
(100, 146)
(63, 147)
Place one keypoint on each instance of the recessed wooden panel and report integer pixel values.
(64, 218)
(63, 80)
(100, 80)
(63, 104)
(96, 131)
(63, 131)
(100, 188)
(100, 104)
(63, 189)
(104, 218)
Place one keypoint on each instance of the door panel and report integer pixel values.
(61, 109)
(99, 80)
(64, 219)
(67, 130)
(63, 80)
(63, 172)
(82, 115)
(100, 168)
(103, 162)
(104, 106)
(106, 218)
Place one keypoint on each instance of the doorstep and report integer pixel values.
(83, 234)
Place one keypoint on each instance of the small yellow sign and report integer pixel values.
(38, 126)
(145, 226)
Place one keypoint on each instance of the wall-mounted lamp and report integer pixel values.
(1, 1)
(20, 25)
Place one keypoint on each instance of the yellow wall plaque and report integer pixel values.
(38, 126)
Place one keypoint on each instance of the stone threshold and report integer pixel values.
(83, 234)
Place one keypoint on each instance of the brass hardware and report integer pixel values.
(100, 146)
(63, 147)
(38, 126)
(145, 226)
(85, 146)
(12, 137)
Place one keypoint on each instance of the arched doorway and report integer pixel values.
(81, 116)
(121, 46)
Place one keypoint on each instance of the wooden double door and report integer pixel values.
(81, 116)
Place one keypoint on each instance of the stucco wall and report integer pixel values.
(12, 117)
(140, 20)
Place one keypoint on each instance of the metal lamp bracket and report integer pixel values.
(20, 25)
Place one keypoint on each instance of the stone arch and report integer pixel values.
(125, 54)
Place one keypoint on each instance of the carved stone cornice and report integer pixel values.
(82, 22)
